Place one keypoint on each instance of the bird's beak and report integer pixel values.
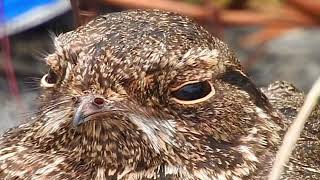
(88, 106)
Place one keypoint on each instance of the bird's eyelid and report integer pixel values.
(195, 101)
(44, 83)
(49, 79)
(241, 72)
(183, 84)
(52, 77)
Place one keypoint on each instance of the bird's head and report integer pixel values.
(147, 81)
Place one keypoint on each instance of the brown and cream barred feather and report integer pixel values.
(152, 95)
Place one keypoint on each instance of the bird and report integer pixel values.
(288, 100)
(146, 94)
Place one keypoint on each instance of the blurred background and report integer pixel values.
(274, 39)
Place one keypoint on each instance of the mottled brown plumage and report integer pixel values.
(144, 95)
(304, 162)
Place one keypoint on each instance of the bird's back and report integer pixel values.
(304, 162)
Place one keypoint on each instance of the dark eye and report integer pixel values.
(48, 80)
(193, 92)
(52, 77)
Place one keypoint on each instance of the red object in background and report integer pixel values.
(7, 60)
(8, 68)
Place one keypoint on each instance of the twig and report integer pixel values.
(294, 132)
(84, 11)
(7, 60)
(194, 11)
(227, 17)
(267, 33)
(75, 11)
(311, 7)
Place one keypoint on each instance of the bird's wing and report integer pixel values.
(22, 159)
(305, 161)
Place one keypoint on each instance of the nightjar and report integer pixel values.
(149, 95)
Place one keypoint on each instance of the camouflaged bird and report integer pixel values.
(304, 162)
(144, 95)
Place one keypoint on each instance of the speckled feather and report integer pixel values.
(304, 162)
(133, 60)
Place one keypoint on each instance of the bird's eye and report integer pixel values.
(49, 79)
(193, 92)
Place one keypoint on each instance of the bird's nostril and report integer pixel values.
(98, 101)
